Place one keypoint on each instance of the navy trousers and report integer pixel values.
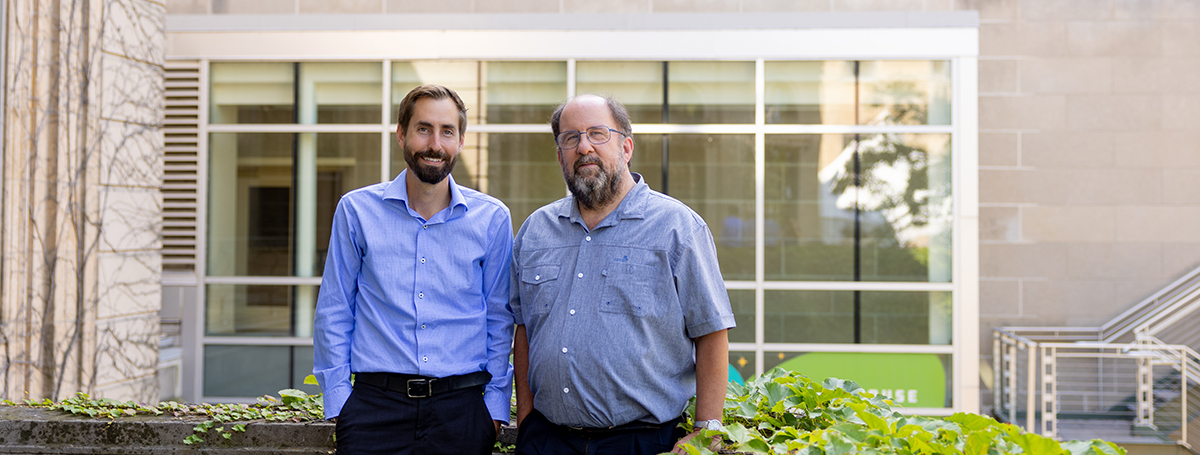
(538, 436)
(378, 421)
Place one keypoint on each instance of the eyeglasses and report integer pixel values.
(568, 140)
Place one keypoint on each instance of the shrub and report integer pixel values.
(784, 412)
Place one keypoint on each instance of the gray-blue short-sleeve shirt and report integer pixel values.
(611, 313)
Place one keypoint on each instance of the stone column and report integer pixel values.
(81, 205)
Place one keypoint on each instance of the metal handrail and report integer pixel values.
(1135, 316)
(1147, 351)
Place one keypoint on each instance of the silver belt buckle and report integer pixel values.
(422, 388)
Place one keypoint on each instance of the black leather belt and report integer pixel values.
(587, 432)
(422, 386)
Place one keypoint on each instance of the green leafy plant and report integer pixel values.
(292, 406)
(784, 412)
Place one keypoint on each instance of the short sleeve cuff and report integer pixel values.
(703, 328)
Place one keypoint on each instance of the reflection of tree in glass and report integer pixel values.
(894, 179)
(900, 103)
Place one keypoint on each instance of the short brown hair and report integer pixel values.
(432, 91)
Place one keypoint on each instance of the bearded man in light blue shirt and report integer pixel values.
(413, 301)
(621, 309)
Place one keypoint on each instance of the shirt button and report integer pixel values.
(422, 260)
(425, 226)
(425, 359)
(564, 349)
(581, 274)
(588, 238)
(422, 326)
(537, 277)
(420, 295)
(566, 390)
(572, 311)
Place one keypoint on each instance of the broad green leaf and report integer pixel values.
(972, 422)
(738, 433)
(775, 392)
(837, 445)
(291, 396)
(1093, 447)
(873, 421)
(978, 444)
(756, 446)
(311, 380)
(745, 410)
(1034, 444)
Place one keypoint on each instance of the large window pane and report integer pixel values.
(272, 198)
(259, 310)
(904, 92)
(742, 303)
(905, 204)
(710, 92)
(523, 172)
(250, 204)
(714, 175)
(246, 371)
(809, 228)
(884, 317)
(252, 92)
(523, 92)
(648, 159)
(345, 161)
(341, 92)
(637, 85)
(810, 92)
(460, 76)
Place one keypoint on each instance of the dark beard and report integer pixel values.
(429, 174)
(599, 192)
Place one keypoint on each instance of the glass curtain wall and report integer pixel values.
(845, 241)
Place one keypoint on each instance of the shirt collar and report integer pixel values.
(397, 189)
(633, 207)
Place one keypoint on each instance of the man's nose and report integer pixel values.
(585, 146)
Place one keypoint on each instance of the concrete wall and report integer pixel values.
(1089, 138)
(80, 239)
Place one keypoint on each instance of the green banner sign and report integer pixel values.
(910, 380)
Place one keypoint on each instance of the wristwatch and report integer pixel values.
(707, 424)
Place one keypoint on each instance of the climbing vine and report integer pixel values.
(225, 419)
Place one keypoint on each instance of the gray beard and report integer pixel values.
(598, 192)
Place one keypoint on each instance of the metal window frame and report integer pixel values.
(959, 45)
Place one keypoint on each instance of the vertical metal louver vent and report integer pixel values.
(181, 154)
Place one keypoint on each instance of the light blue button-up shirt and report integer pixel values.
(610, 313)
(402, 294)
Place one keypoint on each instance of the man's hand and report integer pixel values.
(713, 444)
(497, 422)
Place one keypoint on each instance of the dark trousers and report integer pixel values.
(538, 436)
(378, 421)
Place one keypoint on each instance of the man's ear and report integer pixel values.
(627, 148)
(400, 134)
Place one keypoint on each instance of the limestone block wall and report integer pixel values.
(1089, 141)
(79, 244)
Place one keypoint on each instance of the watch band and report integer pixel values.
(707, 424)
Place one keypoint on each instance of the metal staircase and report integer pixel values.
(1134, 379)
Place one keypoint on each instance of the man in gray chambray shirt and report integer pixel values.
(620, 306)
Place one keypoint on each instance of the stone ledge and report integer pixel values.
(39, 431)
